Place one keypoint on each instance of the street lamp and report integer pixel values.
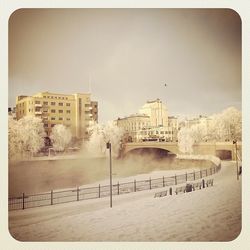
(110, 171)
(235, 142)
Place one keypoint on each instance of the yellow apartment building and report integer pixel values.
(75, 111)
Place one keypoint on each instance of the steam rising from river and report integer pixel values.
(91, 165)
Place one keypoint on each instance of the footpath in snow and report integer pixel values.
(210, 214)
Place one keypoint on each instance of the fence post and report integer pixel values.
(163, 181)
(51, 197)
(175, 177)
(99, 191)
(134, 185)
(170, 191)
(194, 175)
(77, 192)
(23, 200)
(200, 174)
(118, 188)
(203, 183)
(150, 183)
(186, 176)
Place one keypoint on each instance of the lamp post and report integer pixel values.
(110, 171)
(235, 142)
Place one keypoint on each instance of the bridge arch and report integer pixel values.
(154, 151)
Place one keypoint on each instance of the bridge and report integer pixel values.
(224, 150)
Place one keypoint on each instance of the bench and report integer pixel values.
(161, 194)
(210, 182)
(180, 189)
(197, 185)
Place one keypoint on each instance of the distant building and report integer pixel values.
(75, 111)
(151, 124)
(132, 124)
(157, 111)
(12, 112)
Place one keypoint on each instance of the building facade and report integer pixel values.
(151, 124)
(132, 124)
(75, 111)
(157, 111)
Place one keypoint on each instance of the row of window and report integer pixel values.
(152, 132)
(59, 118)
(46, 125)
(56, 97)
(53, 103)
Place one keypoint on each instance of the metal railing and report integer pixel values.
(77, 194)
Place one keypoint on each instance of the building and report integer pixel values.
(75, 111)
(151, 124)
(155, 134)
(12, 112)
(157, 111)
(132, 124)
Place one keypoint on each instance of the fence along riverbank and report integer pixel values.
(77, 194)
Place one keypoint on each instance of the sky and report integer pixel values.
(189, 58)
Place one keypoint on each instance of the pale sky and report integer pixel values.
(130, 55)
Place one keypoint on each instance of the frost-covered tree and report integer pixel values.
(199, 132)
(185, 140)
(14, 139)
(100, 135)
(26, 136)
(60, 137)
(224, 126)
(32, 133)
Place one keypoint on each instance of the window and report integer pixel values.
(53, 103)
(60, 104)
(53, 118)
(45, 125)
(37, 102)
(68, 111)
(60, 118)
(60, 111)
(68, 119)
(45, 103)
(53, 111)
(52, 125)
(68, 104)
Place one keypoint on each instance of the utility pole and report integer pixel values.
(237, 167)
(110, 171)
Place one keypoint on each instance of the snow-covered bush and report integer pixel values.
(60, 137)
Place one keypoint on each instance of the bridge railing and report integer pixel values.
(57, 197)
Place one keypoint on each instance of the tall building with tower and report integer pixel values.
(157, 111)
(75, 111)
(151, 123)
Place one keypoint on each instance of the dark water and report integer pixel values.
(41, 176)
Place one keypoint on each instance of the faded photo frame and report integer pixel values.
(158, 162)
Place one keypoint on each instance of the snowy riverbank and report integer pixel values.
(210, 214)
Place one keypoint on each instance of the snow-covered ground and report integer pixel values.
(210, 214)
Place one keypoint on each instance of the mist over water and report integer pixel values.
(91, 165)
(41, 176)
